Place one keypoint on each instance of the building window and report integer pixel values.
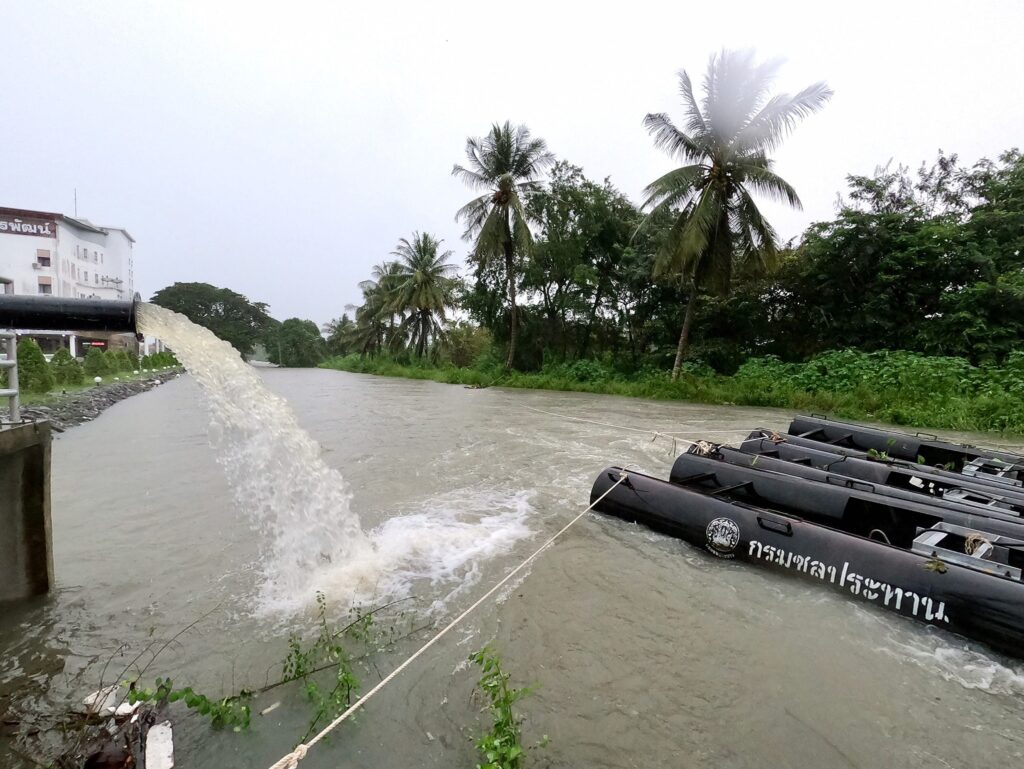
(6, 286)
(85, 276)
(44, 286)
(43, 257)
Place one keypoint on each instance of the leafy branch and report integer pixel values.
(501, 747)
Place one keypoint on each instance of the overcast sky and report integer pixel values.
(281, 149)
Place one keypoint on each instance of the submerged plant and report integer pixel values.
(234, 711)
(326, 652)
(501, 747)
(324, 657)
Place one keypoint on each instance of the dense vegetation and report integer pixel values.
(907, 306)
(928, 262)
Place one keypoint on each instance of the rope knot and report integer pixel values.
(291, 761)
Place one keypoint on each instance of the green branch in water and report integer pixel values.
(501, 747)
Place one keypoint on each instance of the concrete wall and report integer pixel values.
(26, 555)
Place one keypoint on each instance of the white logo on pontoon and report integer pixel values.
(723, 535)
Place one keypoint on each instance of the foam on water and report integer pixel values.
(313, 539)
(970, 668)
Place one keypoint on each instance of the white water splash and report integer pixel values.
(969, 667)
(313, 538)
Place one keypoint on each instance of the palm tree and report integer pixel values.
(724, 145)
(422, 287)
(507, 164)
(375, 317)
(339, 334)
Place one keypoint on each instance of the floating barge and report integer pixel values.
(940, 540)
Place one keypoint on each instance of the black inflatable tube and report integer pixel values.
(45, 313)
(842, 451)
(980, 606)
(895, 444)
(835, 476)
(898, 474)
(858, 508)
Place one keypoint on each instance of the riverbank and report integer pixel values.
(65, 410)
(892, 387)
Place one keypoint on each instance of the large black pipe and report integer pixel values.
(50, 313)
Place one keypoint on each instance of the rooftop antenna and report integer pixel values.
(76, 202)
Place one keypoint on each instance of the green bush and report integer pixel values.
(96, 363)
(66, 370)
(118, 360)
(158, 360)
(464, 344)
(34, 374)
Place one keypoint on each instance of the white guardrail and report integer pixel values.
(10, 340)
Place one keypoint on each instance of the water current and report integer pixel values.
(235, 493)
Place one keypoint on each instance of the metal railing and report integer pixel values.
(10, 340)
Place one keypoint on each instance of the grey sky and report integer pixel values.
(282, 149)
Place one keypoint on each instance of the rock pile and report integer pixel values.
(74, 409)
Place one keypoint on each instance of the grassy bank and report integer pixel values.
(888, 386)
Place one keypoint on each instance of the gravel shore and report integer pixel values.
(85, 405)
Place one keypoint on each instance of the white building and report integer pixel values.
(44, 253)
(59, 255)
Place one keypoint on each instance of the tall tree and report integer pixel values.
(375, 317)
(724, 145)
(584, 229)
(226, 313)
(422, 289)
(298, 344)
(339, 334)
(506, 164)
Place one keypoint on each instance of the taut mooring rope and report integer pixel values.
(291, 761)
(674, 437)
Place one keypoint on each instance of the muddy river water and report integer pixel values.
(642, 650)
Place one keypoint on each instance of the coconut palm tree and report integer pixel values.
(422, 287)
(506, 164)
(375, 317)
(724, 145)
(339, 334)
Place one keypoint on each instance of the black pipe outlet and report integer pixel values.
(50, 313)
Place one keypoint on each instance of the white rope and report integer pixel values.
(291, 761)
(655, 433)
(674, 437)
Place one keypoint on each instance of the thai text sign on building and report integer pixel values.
(26, 225)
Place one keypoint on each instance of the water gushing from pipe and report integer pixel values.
(312, 537)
